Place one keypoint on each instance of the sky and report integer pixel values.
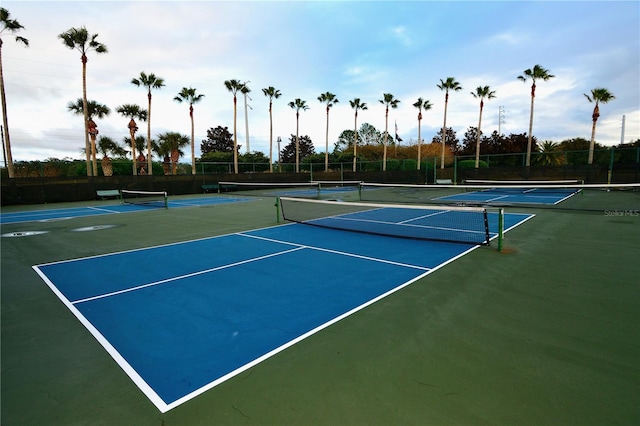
(354, 49)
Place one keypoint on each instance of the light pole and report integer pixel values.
(279, 166)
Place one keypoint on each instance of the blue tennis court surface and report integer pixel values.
(545, 196)
(182, 318)
(62, 214)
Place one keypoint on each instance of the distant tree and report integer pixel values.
(549, 155)
(107, 147)
(329, 99)
(533, 74)
(388, 100)
(449, 84)
(150, 81)
(82, 41)
(12, 26)
(356, 104)
(271, 93)
(235, 86)
(170, 146)
(189, 96)
(345, 139)
(91, 110)
(218, 140)
(298, 104)
(369, 135)
(482, 93)
(305, 148)
(451, 138)
(426, 105)
(599, 95)
(132, 112)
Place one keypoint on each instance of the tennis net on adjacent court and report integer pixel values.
(312, 189)
(440, 223)
(535, 194)
(146, 198)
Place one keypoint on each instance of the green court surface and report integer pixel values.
(545, 332)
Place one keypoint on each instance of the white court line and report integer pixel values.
(375, 259)
(103, 209)
(180, 277)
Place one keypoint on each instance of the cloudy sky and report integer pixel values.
(351, 48)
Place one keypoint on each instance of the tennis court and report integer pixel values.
(117, 324)
(181, 327)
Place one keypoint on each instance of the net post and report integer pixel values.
(500, 229)
(277, 209)
(166, 201)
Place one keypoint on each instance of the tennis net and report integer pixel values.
(441, 223)
(146, 198)
(273, 189)
(537, 194)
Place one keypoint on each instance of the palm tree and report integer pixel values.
(272, 93)
(449, 84)
(426, 105)
(356, 105)
(12, 26)
(150, 81)
(298, 105)
(189, 96)
(535, 73)
(108, 146)
(330, 100)
(549, 154)
(388, 101)
(169, 146)
(81, 40)
(598, 95)
(93, 109)
(132, 112)
(481, 93)
(235, 86)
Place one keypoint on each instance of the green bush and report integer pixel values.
(471, 164)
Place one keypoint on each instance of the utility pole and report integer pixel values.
(500, 119)
(246, 119)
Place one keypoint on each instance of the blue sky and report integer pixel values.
(350, 48)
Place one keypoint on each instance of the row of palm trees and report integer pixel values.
(80, 40)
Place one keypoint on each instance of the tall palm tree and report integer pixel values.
(481, 93)
(329, 99)
(598, 95)
(13, 26)
(235, 86)
(93, 109)
(426, 105)
(272, 93)
(298, 105)
(132, 112)
(388, 101)
(169, 145)
(449, 84)
(82, 41)
(356, 104)
(189, 95)
(536, 73)
(150, 81)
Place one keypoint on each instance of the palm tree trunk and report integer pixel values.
(326, 145)
(530, 135)
(133, 150)
(235, 135)
(478, 136)
(355, 141)
(419, 141)
(593, 142)
(149, 160)
(386, 134)
(107, 166)
(444, 129)
(193, 149)
(270, 138)
(85, 115)
(5, 121)
(297, 143)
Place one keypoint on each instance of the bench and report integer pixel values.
(218, 187)
(444, 182)
(108, 193)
